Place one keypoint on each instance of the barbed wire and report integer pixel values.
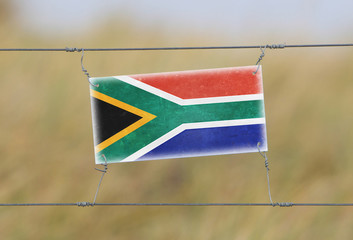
(269, 46)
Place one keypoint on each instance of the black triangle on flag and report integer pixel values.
(109, 119)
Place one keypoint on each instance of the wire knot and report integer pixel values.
(84, 204)
(276, 46)
(260, 59)
(105, 164)
(67, 49)
(267, 164)
(263, 48)
(261, 55)
(283, 204)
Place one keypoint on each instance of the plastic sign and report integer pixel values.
(178, 114)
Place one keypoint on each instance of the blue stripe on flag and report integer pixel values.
(211, 141)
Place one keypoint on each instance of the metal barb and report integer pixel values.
(104, 171)
(84, 70)
(263, 154)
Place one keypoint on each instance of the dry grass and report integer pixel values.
(46, 147)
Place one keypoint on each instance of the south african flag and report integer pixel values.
(178, 114)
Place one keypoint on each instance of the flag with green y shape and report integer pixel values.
(133, 119)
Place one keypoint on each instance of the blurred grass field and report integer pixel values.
(46, 145)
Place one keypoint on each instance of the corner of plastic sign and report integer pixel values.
(265, 147)
(98, 161)
(93, 82)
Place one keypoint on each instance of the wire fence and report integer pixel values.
(94, 203)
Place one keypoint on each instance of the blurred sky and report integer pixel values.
(318, 21)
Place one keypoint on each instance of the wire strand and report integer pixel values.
(84, 204)
(263, 154)
(270, 46)
(104, 171)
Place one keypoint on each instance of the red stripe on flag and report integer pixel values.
(206, 83)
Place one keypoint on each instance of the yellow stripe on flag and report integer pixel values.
(145, 118)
